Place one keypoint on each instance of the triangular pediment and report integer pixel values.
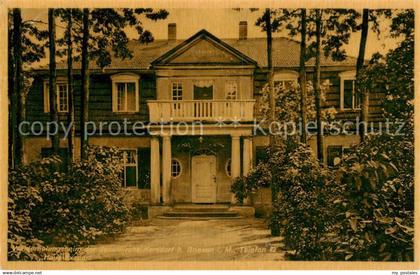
(203, 49)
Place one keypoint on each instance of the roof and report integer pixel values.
(285, 53)
(235, 56)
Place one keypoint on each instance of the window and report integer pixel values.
(130, 168)
(349, 99)
(175, 168)
(228, 167)
(261, 155)
(176, 91)
(203, 90)
(285, 80)
(62, 96)
(231, 90)
(125, 93)
(335, 154)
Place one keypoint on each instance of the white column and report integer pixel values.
(247, 156)
(235, 159)
(154, 171)
(166, 169)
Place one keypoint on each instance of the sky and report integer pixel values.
(223, 23)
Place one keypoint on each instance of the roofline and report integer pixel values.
(194, 37)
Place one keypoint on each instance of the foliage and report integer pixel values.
(258, 177)
(288, 104)
(108, 31)
(394, 72)
(375, 203)
(301, 181)
(70, 209)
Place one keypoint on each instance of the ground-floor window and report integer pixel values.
(175, 168)
(335, 154)
(130, 168)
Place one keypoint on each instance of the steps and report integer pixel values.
(200, 212)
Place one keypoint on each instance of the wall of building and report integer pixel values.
(217, 77)
(181, 187)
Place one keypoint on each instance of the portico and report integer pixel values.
(197, 181)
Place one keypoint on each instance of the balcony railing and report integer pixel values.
(209, 110)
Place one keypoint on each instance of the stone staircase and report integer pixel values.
(200, 212)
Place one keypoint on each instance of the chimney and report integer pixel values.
(171, 31)
(243, 30)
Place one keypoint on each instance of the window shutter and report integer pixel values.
(143, 160)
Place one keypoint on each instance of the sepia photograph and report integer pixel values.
(226, 134)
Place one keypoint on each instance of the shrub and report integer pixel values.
(376, 206)
(71, 208)
(244, 186)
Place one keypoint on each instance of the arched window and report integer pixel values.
(175, 168)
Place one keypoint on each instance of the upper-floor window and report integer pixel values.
(231, 90)
(62, 96)
(349, 99)
(176, 91)
(125, 93)
(285, 80)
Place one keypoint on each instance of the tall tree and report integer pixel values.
(364, 94)
(302, 73)
(70, 115)
(329, 29)
(53, 79)
(317, 85)
(85, 85)
(103, 33)
(17, 100)
(29, 47)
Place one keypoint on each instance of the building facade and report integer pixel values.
(191, 108)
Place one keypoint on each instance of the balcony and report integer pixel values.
(208, 110)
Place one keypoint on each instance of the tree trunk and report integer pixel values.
(364, 94)
(275, 229)
(270, 72)
(317, 84)
(53, 80)
(11, 93)
(85, 85)
(70, 115)
(18, 96)
(302, 73)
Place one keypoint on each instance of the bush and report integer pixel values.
(72, 208)
(376, 205)
(301, 203)
(258, 177)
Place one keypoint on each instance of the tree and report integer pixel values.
(55, 141)
(367, 17)
(329, 29)
(17, 95)
(296, 23)
(85, 85)
(359, 66)
(25, 43)
(302, 73)
(103, 33)
(317, 85)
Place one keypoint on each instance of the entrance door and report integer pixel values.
(203, 179)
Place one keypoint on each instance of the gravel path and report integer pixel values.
(189, 240)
